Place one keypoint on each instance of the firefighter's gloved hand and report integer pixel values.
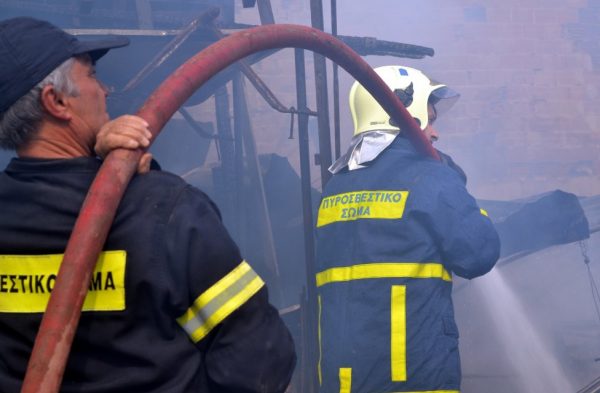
(126, 132)
(447, 160)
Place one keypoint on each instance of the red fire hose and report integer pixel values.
(54, 339)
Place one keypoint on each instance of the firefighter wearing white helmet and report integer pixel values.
(423, 97)
(393, 227)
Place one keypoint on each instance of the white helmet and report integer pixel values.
(414, 89)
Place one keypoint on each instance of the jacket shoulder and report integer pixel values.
(165, 188)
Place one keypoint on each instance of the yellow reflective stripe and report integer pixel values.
(26, 282)
(350, 206)
(398, 335)
(220, 300)
(319, 372)
(484, 212)
(383, 270)
(345, 380)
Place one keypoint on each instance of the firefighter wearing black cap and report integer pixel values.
(172, 306)
(393, 227)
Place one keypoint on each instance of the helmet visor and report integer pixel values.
(443, 99)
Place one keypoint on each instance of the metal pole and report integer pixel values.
(241, 203)
(316, 16)
(336, 87)
(226, 145)
(266, 12)
(310, 347)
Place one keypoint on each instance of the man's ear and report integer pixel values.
(55, 103)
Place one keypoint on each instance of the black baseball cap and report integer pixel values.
(30, 49)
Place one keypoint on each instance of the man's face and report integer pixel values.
(89, 106)
(430, 132)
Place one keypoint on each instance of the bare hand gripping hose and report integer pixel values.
(54, 339)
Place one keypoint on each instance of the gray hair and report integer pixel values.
(19, 122)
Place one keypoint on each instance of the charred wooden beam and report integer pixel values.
(366, 46)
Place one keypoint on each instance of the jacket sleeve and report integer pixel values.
(465, 236)
(246, 346)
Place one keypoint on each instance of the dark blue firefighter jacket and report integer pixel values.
(389, 238)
